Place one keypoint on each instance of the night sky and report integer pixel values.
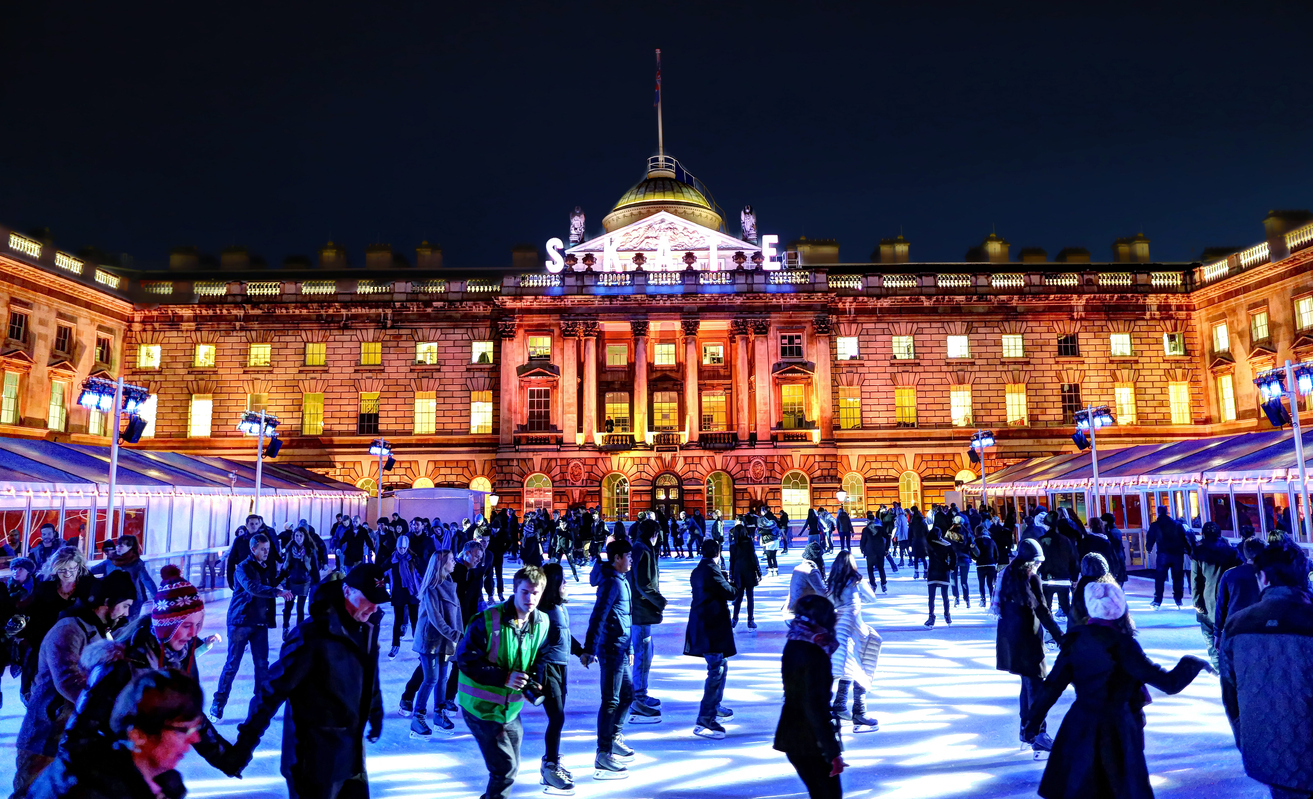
(477, 126)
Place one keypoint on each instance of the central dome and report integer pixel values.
(662, 191)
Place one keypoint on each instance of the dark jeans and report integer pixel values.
(1063, 592)
(771, 559)
(640, 640)
(738, 601)
(846, 541)
(919, 562)
(493, 565)
(962, 577)
(943, 590)
(713, 690)
(435, 674)
(814, 771)
(617, 696)
(500, 746)
(413, 684)
(401, 603)
(238, 638)
(1176, 564)
(890, 557)
(784, 539)
(985, 575)
(1029, 690)
(299, 601)
(872, 566)
(554, 691)
(1209, 630)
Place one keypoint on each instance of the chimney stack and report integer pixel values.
(184, 259)
(379, 257)
(1277, 224)
(1033, 255)
(815, 251)
(332, 256)
(1073, 255)
(428, 256)
(993, 250)
(237, 259)
(1133, 250)
(892, 251)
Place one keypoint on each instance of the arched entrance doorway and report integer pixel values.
(668, 494)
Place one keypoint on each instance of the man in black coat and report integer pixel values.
(1168, 538)
(328, 676)
(250, 615)
(240, 549)
(710, 635)
(646, 607)
(844, 523)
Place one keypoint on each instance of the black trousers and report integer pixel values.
(943, 590)
(500, 746)
(1029, 691)
(403, 603)
(771, 562)
(985, 575)
(846, 541)
(1063, 593)
(554, 690)
(299, 601)
(1176, 565)
(308, 786)
(617, 696)
(738, 601)
(814, 771)
(493, 560)
(872, 566)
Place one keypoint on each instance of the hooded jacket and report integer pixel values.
(1211, 559)
(708, 631)
(647, 602)
(59, 680)
(252, 603)
(608, 627)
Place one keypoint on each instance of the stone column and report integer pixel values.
(761, 378)
(509, 387)
(739, 332)
(589, 331)
(570, 381)
(639, 398)
(823, 328)
(692, 399)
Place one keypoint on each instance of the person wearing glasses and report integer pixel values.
(60, 581)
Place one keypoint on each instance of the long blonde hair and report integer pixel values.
(431, 573)
(61, 557)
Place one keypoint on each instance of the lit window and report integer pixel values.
(104, 349)
(367, 417)
(426, 352)
(257, 402)
(1303, 315)
(540, 348)
(480, 412)
(664, 354)
(312, 414)
(481, 352)
(1068, 346)
(316, 353)
(371, 353)
(9, 399)
(959, 347)
(720, 494)
(147, 411)
(905, 407)
(855, 487)
(63, 339)
(909, 490)
(791, 345)
(665, 409)
(537, 490)
(199, 415)
(1124, 397)
(713, 354)
(714, 414)
(1178, 398)
(847, 348)
(204, 357)
(959, 405)
(796, 495)
(791, 401)
(148, 356)
(1120, 343)
(426, 413)
(1226, 397)
(904, 348)
(1221, 338)
(1174, 343)
(615, 496)
(58, 413)
(18, 326)
(540, 410)
(1015, 399)
(1071, 402)
(1258, 326)
(850, 407)
(260, 355)
(617, 410)
(1013, 346)
(617, 354)
(96, 423)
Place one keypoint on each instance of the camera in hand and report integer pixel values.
(533, 693)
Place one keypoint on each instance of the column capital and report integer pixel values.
(823, 324)
(760, 327)
(690, 326)
(569, 329)
(738, 327)
(506, 327)
(589, 329)
(638, 327)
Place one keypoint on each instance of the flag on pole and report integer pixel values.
(657, 100)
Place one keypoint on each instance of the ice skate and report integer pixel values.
(606, 767)
(723, 712)
(443, 724)
(418, 729)
(930, 623)
(405, 708)
(643, 713)
(863, 722)
(556, 780)
(621, 750)
(1042, 745)
(710, 730)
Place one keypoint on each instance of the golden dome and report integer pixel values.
(662, 192)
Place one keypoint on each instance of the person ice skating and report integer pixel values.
(854, 662)
(918, 536)
(559, 647)
(1093, 569)
(808, 577)
(648, 605)
(874, 543)
(986, 565)
(770, 541)
(607, 642)
(61, 581)
(1170, 544)
(710, 635)
(405, 574)
(1211, 559)
(744, 571)
(843, 524)
(1238, 588)
(437, 632)
(1099, 751)
(964, 550)
(1061, 566)
(1023, 616)
(807, 733)
(328, 676)
(127, 558)
(940, 564)
(250, 615)
(300, 574)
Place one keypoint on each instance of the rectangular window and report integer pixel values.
(791, 401)
(204, 357)
(426, 352)
(1221, 338)
(959, 347)
(367, 417)
(148, 356)
(665, 409)
(58, 412)
(96, 423)
(259, 355)
(1015, 399)
(371, 353)
(847, 348)
(1258, 327)
(850, 407)
(316, 353)
(426, 413)
(147, 412)
(1303, 315)
(104, 349)
(1120, 344)
(1173, 343)
(1124, 397)
(1013, 345)
(199, 415)
(1178, 398)
(1226, 397)
(1071, 402)
(9, 399)
(540, 410)
(617, 354)
(664, 354)
(18, 326)
(480, 412)
(791, 345)
(63, 339)
(1068, 346)
(257, 402)
(715, 417)
(312, 414)
(617, 410)
(540, 348)
(905, 406)
(904, 348)
(713, 355)
(959, 406)
(481, 352)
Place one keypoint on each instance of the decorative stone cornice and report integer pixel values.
(823, 325)
(589, 329)
(638, 327)
(506, 327)
(569, 329)
(738, 327)
(760, 327)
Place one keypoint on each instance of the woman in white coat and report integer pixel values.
(854, 662)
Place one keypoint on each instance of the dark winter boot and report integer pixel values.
(839, 708)
(418, 729)
(930, 622)
(861, 721)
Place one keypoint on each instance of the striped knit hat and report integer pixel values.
(175, 600)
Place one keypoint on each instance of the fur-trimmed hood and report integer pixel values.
(102, 653)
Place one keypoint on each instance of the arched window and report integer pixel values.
(615, 496)
(367, 484)
(537, 492)
(964, 476)
(720, 494)
(855, 487)
(422, 482)
(485, 485)
(796, 495)
(909, 489)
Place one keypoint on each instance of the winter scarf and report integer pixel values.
(801, 629)
(406, 568)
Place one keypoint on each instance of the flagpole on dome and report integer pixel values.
(661, 146)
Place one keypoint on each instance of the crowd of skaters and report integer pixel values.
(111, 684)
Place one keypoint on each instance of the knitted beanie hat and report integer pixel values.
(1094, 565)
(1030, 550)
(175, 600)
(1105, 601)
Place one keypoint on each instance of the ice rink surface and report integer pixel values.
(948, 719)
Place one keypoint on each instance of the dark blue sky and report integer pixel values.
(140, 127)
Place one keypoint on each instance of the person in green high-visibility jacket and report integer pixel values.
(501, 653)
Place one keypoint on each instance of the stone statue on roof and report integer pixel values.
(749, 221)
(577, 226)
